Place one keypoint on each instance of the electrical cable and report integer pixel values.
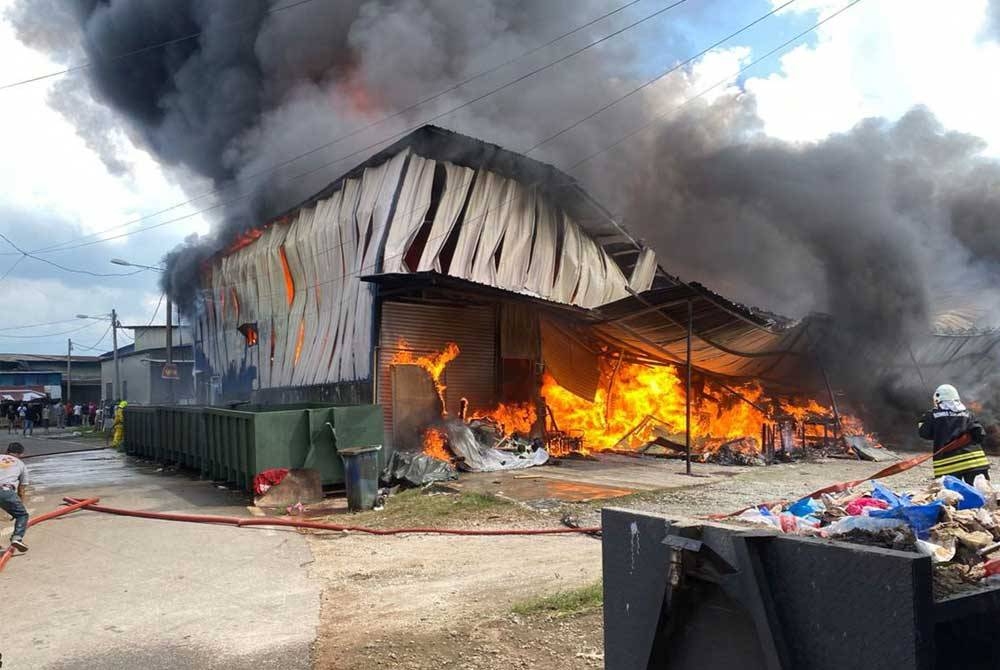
(37, 325)
(44, 335)
(61, 246)
(156, 311)
(94, 347)
(145, 49)
(25, 254)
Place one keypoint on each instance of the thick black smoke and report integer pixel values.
(889, 227)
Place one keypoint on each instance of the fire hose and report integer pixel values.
(76, 504)
(894, 469)
(315, 525)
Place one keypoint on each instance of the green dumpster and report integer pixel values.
(233, 445)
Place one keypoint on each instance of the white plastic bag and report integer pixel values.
(985, 487)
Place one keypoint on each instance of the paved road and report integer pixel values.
(55, 442)
(100, 591)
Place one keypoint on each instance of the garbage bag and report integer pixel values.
(881, 492)
(971, 498)
(475, 456)
(858, 506)
(761, 516)
(919, 517)
(415, 469)
(806, 507)
(985, 488)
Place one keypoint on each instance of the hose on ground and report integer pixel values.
(75, 505)
(315, 525)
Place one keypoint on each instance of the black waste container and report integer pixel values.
(361, 476)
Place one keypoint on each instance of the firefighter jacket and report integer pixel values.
(943, 426)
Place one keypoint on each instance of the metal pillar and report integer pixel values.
(69, 370)
(114, 344)
(170, 350)
(687, 397)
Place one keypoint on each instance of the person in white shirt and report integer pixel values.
(13, 479)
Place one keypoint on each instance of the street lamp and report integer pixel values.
(115, 325)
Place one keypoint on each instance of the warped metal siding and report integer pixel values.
(428, 329)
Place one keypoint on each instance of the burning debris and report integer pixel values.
(725, 426)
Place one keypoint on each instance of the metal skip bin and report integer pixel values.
(233, 445)
(697, 594)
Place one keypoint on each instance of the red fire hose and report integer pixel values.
(76, 504)
(315, 525)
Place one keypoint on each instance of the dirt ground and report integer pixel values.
(419, 601)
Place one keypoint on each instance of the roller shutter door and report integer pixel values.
(428, 328)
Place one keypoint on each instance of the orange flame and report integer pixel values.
(289, 281)
(512, 418)
(243, 239)
(433, 445)
(298, 341)
(434, 364)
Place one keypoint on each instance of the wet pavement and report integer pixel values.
(101, 591)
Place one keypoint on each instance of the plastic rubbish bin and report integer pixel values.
(361, 476)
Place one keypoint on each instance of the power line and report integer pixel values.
(11, 268)
(156, 311)
(151, 47)
(94, 347)
(650, 82)
(777, 49)
(37, 325)
(527, 75)
(25, 254)
(43, 335)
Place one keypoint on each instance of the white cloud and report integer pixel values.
(49, 168)
(880, 59)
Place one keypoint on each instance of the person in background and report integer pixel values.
(59, 413)
(69, 414)
(46, 416)
(92, 411)
(949, 420)
(118, 434)
(77, 415)
(11, 419)
(13, 479)
(27, 421)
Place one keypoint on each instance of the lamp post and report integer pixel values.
(170, 318)
(114, 343)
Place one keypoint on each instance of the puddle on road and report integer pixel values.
(81, 470)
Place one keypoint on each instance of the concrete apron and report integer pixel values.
(100, 591)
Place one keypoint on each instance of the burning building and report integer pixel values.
(446, 275)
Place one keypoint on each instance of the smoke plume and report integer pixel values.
(889, 227)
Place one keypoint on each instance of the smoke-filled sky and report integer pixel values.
(773, 189)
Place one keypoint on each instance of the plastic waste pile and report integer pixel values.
(954, 523)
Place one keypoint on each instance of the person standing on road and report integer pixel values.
(27, 421)
(92, 411)
(60, 415)
(11, 419)
(13, 479)
(118, 430)
(77, 415)
(46, 416)
(949, 420)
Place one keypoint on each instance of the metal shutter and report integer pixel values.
(428, 329)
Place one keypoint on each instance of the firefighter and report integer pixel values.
(118, 430)
(949, 420)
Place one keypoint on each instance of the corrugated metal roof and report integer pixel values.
(44, 358)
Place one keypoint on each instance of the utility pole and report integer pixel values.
(114, 343)
(69, 369)
(170, 349)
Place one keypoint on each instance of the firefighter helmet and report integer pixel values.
(945, 393)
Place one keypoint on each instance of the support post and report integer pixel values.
(687, 397)
(170, 349)
(114, 345)
(833, 403)
(69, 369)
